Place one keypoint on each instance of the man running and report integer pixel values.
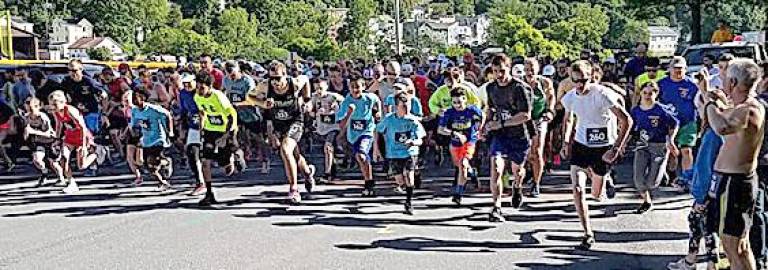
(509, 109)
(597, 142)
(357, 115)
(542, 113)
(324, 105)
(156, 124)
(218, 131)
(84, 93)
(284, 102)
(236, 86)
(71, 126)
(742, 127)
(462, 124)
(403, 135)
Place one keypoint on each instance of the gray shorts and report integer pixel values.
(330, 137)
(649, 166)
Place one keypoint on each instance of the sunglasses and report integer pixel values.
(74, 70)
(581, 81)
(456, 102)
(651, 69)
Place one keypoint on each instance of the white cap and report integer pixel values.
(549, 70)
(406, 70)
(187, 78)
(518, 70)
(611, 60)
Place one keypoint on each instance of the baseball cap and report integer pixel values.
(610, 60)
(518, 70)
(406, 70)
(548, 70)
(123, 67)
(187, 78)
(678, 62)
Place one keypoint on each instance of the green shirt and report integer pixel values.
(217, 110)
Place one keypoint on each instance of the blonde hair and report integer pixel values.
(57, 95)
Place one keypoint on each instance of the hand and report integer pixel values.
(565, 152)
(460, 137)
(699, 207)
(718, 95)
(493, 125)
(672, 148)
(611, 156)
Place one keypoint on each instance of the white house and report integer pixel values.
(72, 38)
(449, 30)
(662, 40)
(382, 31)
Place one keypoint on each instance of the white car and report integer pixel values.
(694, 54)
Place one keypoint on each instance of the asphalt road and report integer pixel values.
(112, 225)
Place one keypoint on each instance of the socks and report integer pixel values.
(408, 194)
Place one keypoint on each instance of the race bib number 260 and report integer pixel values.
(597, 136)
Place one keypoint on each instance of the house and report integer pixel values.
(25, 41)
(662, 40)
(448, 30)
(72, 38)
(383, 31)
(80, 48)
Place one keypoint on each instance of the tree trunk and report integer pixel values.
(696, 6)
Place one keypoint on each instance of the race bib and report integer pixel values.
(282, 115)
(216, 120)
(328, 119)
(505, 115)
(597, 136)
(236, 98)
(358, 125)
(402, 137)
(193, 137)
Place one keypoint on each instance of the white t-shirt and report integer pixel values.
(596, 125)
(326, 122)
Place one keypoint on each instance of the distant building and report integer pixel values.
(337, 15)
(25, 41)
(382, 31)
(72, 39)
(448, 30)
(662, 40)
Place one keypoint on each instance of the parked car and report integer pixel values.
(694, 54)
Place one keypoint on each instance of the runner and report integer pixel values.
(509, 109)
(542, 113)
(156, 127)
(189, 119)
(357, 115)
(441, 101)
(236, 87)
(284, 102)
(116, 117)
(653, 72)
(84, 94)
(324, 106)
(131, 137)
(656, 128)
(218, 131)
(206, 65)
(678, 90)
(403, 135)
(76, 137)
(462, 124)
(597, 143)
(742, 127)
(40, 133)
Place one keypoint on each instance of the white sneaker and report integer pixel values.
(265, 166)
(399, 190)
(681, 265)
(71, 188)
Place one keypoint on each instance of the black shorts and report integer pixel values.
(210, 151)
(590, 157)
(153, 155)
(738, 194)
(400, 166)
(430, 125)
(291, 130)
(51, 150)
(117, 122)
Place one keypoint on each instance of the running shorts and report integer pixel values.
(585, 157)
(330, 137)
(686, 135)
(153, 155)
(290, 130)
(738, 194)
(459, 153)
(400, 166)
(512, 149)
(50, 151)
(363, 145)
(210, 151)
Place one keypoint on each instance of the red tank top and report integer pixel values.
(422, 91)
(73, 133)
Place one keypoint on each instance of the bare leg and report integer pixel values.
(739, 252)
(497, 171)
(579, 180)
(289, 162)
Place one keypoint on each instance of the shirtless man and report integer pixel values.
(740, 120)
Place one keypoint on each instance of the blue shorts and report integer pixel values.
(93, 122)
(515, 150)
(363, 146)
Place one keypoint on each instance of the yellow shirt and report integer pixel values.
(216, 111)
(720, 36)
(643, 78)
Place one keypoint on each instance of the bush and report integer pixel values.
(99, 54)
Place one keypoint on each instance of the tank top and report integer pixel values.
(73, 133)
(539, 102)
(40, 123)
(286, 107)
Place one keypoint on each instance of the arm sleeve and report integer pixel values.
(416, 107)
(523, 99)
(443, 121)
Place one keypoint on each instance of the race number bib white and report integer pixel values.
(328, 119)
(505, 115)
(236, 98)
(596, 136)
(358, 125)
(402, 137)
(193, 136)
(216, 120)
(282, 115)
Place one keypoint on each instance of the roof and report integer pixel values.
(18, 32)
(87, 42)
(439, 26)
(662, 31)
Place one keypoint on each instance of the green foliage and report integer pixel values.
(455, 51)
(584, 29)
(237, 34)
(356, 34)
(120, 19)
(519, 38)
(99, 54)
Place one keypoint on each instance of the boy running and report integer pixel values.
(156, 126)
(40, 133)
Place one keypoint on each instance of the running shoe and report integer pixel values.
(139, 180)
(517, 197)
(198, 190)
(310, 183)
(61, 182)
(368, 193)
(164, 187)
(645, 207)
(408, 209)
(535, 190)
(496, 216)
(399, 190)
(294, 197)
(586, 242)
(208, 200)
(456, 199)
(71, 188)
(41, 181)
(610, 189)
(681, 264)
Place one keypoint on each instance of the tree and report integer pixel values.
(519, 38)
(355, 35)
(99, 54)
(582, 30)
(463, 7)
(237, 34)
(120, 19)
(180, 40)
(203, 11)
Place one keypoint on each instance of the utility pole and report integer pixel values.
(397, 27)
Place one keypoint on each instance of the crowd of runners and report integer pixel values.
(517, 118)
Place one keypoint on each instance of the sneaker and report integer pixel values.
(71, 188)
(139, 180)
(309, 183)
(294, 198)
(40, 181)
(90, 173)
(586, 242)
(198, 190)
(645, 207)
(517, 197)
(408, 209)
(456, 199)
(681, 264)
(61, 183)
(168, 169)
(399, 190)
(496, 215)
(163, 187)
(265, 167)
(610, 190)
(368, 193)
(535, 191)
(208, 200)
